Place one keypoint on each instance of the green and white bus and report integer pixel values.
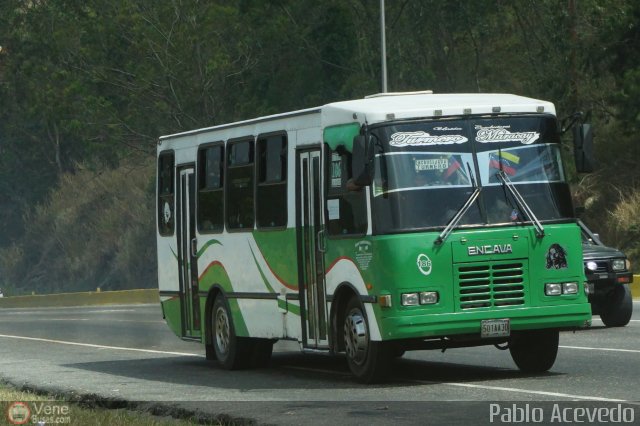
(402, 221)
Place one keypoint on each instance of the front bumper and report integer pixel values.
(441, 325)
(599, 279)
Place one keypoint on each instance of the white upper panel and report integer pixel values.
(374, 109)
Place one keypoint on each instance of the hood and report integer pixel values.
(592, 251)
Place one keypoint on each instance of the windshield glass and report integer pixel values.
(424, 172)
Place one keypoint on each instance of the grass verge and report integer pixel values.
(50, 409)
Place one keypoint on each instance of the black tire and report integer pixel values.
(368, 360)
(210, 352)
(232, 352)
(534, 351)
(398, 352)
(618, 309)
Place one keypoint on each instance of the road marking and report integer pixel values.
(598, 319)
(90, 345)
(600, 349)
(534, 392)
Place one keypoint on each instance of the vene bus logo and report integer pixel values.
(18, 413)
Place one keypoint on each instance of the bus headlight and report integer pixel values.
(422, 298)
(570, 288)
(553, 289)
(410, 299)
(556, 289)
(428, 297)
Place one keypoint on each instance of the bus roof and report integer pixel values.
(396, 106)
(407, 105)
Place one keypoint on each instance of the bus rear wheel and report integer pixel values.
(231, 351)
(534, 351)
(368, 360)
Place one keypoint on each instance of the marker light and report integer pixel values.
(384, 300)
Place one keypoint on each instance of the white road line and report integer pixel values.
(598, 319)
(534, 392)
(89, 345)
(586, 348)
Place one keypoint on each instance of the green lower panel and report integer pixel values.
(423, 326)
(172, 314)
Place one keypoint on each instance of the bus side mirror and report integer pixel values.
(362, 161)
(583, 148)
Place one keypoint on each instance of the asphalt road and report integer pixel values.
(128, 353)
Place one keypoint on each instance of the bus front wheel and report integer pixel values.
(534, 351)
(368, 360)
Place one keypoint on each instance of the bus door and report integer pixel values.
(187, 249)
(311, 248)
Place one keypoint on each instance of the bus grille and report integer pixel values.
(494, 284)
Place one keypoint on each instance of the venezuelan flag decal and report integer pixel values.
(505, 161)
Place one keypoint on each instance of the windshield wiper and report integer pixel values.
(461, 211)
(506, 182)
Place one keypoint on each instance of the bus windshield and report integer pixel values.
(425, 171)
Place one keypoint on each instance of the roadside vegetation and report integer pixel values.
(85, 413)
(87, 87)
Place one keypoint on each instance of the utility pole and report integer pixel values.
(573, 60)
(383, 48)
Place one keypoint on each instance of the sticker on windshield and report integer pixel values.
(493, 134)
(336, 170)
(432, 164)
(400, 139)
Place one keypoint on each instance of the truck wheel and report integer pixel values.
(617, 312)
(232, 352)
(534, 351)
(368, 360)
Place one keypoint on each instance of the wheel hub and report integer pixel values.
(222, 330)
(356, 337)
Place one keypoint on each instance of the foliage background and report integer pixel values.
(87, 86)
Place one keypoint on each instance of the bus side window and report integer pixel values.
(239, 186)
(210, 188)
(271, 193)
(165, 194)
(346, 209)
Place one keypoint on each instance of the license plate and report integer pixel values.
(495, 328)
